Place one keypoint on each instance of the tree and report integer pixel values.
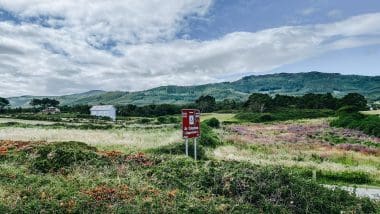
(227, 104)
(329, 101)
(35, 102)
(45, 102)
(354, 99)
(259, 102)
(206, 103)
(3, 102)
(284, 101)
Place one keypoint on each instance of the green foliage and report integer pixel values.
(212, 122)
(258, 102)
(295, 84)
(208, 137)
(284, 114)
(145, 183)
(180, 149)
(336, 177)
(369, 124)
(45, 102)
(318, 101)
(354, 99)
(148, 110)
(144, 120)
(345, 110)
(206, 103)
(3, 102)
(268, 189)
(57, 156)
(167, 120)
(45, 117)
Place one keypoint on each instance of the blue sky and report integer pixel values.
(227, 16)
(60, 47)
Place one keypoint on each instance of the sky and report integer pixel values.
(72, 46)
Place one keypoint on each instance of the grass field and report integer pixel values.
(220, 117)
(141, 168)
(374, 112)
(307, 144)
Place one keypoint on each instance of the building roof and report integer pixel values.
(103, 108)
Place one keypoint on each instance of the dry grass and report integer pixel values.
(132, 139)
(374, 112)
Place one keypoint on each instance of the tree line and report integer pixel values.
(256, 102)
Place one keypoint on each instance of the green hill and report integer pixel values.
(282, 83)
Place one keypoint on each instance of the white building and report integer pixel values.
(104, 111)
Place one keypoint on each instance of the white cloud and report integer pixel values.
(43, 61)
(308, 11)
(334, 13)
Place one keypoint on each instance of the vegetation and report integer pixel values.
(206, 103)
(213, 122)
(284, 114)
(369, 124)
(337, 155)
(45, 102)
(137, 164)
(286, 84)
(3, 102)
(46, 178)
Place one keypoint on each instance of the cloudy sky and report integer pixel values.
(67, 46)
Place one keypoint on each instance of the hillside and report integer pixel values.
(282, 83)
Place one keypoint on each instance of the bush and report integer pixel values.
(208, 137)
(179, 149)
(347, 110)
(144, 121)
(269, 189)
(167, 120)
(266, 117)
(369, 124)
(284, 114)
(56, 156)
(213, 122)
(331, 176)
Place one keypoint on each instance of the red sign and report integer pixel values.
(190, 123)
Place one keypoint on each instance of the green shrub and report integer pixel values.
(266, 117)
(331, 176)
(369, 124)
(269, 189)
(213, 122)
(347, 110)
(144, 121)
(179, 149)
(167, 120)
(284, 114)
(208, 137)
(162, 120)
(56, 156)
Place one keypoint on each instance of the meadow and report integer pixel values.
(136, 166)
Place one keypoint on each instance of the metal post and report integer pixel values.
(187, 146)
(195, 148)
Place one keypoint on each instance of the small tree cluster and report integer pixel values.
(45, 102)
(3, 103)
(263, 102)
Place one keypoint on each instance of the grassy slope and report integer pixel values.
(292, 84)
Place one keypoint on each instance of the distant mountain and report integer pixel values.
(282, 83)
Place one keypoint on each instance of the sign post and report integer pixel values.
(191, 128)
